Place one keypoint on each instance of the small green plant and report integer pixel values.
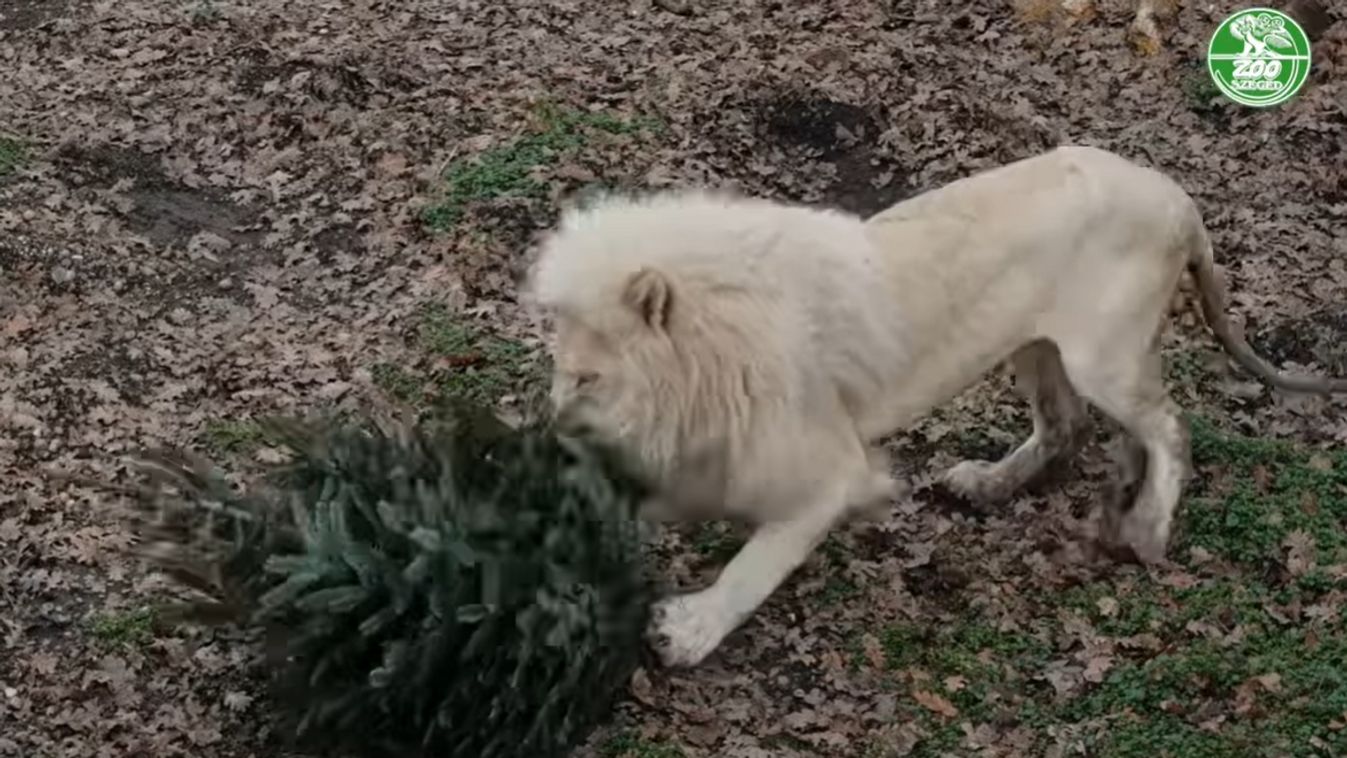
(970, 664)
(468, 363)
(203, 11)
(838, 589)
(1200, 91)
(1299, 687)
(507, 171)
(631, 745)
(716, 541)
(133, 628)
(977, 444)
(476, 366)
(1147, 608)
(1185, 367)
(837, 586)
(13, 155)
(396, 381)
(233, 435)
(1259, 491)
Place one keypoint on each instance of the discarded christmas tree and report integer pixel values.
(457, 588)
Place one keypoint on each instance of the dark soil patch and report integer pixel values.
(171, 216)
(337, 240)
(937, 582)
(104, 165)
(334, 82)
(875, 544)
(826, 126)
(166, 213)
(17, 15)
(214, 230)
(256, 70)
(855, 189)
(127, 368)
(842, 134)
(941, 496)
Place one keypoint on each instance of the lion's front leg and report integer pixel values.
(687, 628)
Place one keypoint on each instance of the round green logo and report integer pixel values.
(1259, 57)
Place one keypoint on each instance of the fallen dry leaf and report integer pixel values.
(873, 650)
(935, 704)
(1300, 550)
(237, 701)
(1262, 478)
(641, 687)
(1097, 668)
(1270, 682)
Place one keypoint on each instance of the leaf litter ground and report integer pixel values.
(215, 211)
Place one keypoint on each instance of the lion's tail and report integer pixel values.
(1202, 266)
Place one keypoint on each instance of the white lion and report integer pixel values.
(754, 353)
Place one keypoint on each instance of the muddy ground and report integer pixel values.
(211, 211)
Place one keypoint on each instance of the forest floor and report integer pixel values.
(214, 210)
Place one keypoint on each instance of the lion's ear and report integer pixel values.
(649, 293)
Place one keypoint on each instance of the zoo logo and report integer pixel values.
(1259, 57)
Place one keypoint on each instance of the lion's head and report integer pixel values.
(659, 338)
(611, 361)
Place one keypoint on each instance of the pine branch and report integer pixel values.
(453, 587)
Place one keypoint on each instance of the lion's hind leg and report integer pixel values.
(1061, 427)
(1154, 461)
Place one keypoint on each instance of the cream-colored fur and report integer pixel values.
(754, 353)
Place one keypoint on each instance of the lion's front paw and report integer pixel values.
(687, 628)
(977, 481)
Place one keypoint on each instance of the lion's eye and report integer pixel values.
(585, 379)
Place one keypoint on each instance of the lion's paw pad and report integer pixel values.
(687, 628)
